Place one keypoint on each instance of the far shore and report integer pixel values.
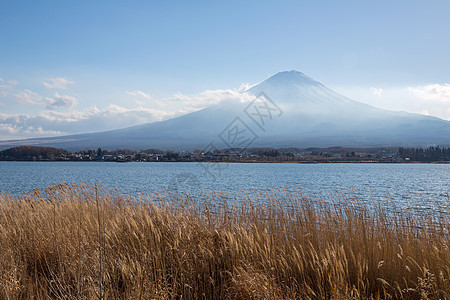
(433, 154)
(244, 162)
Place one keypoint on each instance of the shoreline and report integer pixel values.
(244, 162)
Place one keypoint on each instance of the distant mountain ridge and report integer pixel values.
(302, 113)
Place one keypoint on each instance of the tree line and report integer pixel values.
(28, 153)
(433, 153)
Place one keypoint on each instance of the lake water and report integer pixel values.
(424, 183)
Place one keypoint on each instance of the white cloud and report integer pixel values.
(12, 131)
(91, 119)
(61, 101)
(210, 97)
(432, 99)
(50, 122)
(58, 83)
(29, 97)
(142, 95)
(138, 93)
(5, 86)
(189, 103)
(246, 86)
(8, 129)
(433, 92)
(376, 91)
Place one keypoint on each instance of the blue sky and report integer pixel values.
(75, 66)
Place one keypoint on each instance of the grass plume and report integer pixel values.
(80, 241)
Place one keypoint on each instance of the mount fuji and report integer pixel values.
(289, 109)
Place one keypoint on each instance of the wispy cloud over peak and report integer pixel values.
(58, 83)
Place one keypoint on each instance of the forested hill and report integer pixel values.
(31, 153)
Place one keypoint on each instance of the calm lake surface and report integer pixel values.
(427, 184)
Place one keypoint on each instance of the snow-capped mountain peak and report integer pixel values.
(293, 87)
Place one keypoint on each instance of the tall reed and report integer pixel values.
(80, 241)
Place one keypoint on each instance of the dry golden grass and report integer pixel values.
(83, 242)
